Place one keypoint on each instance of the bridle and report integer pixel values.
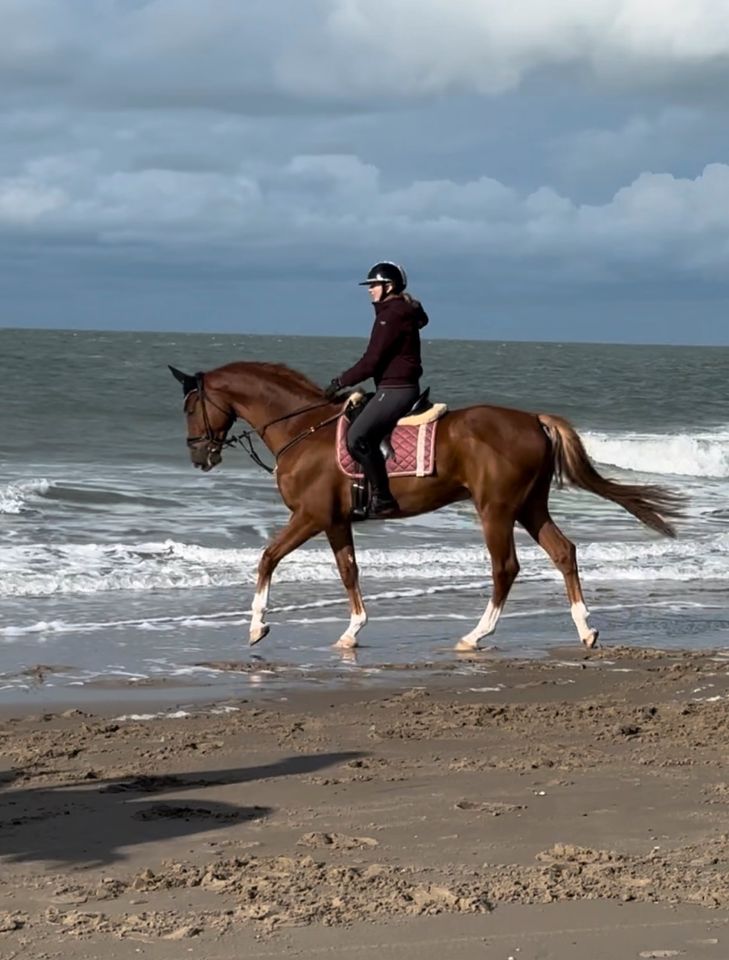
(216, 443)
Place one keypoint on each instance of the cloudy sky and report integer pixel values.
(547, 169)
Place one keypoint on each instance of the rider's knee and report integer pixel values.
(359, 444)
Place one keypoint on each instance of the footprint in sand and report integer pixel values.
(494, 809)
(336, 841)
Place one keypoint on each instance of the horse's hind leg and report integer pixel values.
(298, 530)
(342, 544)
(538, 523)
(498, 527)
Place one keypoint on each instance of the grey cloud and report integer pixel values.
(680, 139)
(339, 203)
(264, 56)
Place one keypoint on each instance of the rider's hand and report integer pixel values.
(333, 389)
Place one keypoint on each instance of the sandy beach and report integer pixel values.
(560, 808)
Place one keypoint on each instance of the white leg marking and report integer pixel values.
(486, 625)
(587, 634)
(349, 638)
(358, 618)
(259, 628)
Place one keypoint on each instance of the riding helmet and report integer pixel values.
(386, 272)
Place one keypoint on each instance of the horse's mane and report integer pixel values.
(278, 374)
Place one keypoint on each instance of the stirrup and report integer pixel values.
(360, 500)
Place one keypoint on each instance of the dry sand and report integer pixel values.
(571, 808)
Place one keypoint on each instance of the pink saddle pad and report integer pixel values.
(414, 451)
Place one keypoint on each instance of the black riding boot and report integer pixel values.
(382, 502)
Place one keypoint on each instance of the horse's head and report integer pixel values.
(209, 418)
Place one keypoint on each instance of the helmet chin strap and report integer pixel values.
(384, 293)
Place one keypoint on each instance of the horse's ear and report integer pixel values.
(188, 383)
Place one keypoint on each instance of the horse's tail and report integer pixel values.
(652, 505)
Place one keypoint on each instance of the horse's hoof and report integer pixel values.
(257, 634)
(466, 646)
(590, 641)
(346, 642)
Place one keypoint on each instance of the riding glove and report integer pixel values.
(333, 389)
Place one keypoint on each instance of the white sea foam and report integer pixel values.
(67, 569)
(19, 495)
(698, 454)
(172, 715)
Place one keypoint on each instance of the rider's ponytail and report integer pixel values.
(417, 307)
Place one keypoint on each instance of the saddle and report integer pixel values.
(424, 410)
(409, 451)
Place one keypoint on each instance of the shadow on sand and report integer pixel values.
(91, 822)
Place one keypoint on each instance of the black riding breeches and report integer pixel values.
(376, 421)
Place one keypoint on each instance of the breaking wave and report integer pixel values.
(680, 454)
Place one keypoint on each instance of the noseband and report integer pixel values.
(216, 443)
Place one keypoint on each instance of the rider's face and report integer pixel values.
(377, 291)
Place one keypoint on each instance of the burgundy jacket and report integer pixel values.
(392, 357)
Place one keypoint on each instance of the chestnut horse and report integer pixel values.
(502, 459)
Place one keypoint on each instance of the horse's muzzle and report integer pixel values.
(205, 457)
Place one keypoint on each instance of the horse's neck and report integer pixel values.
(262, 401)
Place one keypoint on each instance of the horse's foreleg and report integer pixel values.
(298, 530)
(538, 523)
(498, 527)
(342, 544)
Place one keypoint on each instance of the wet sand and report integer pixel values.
(575, 806)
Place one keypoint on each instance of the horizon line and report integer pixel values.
(339, 336)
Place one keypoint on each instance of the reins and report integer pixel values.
(244, 439)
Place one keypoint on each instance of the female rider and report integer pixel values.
(392, 359)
